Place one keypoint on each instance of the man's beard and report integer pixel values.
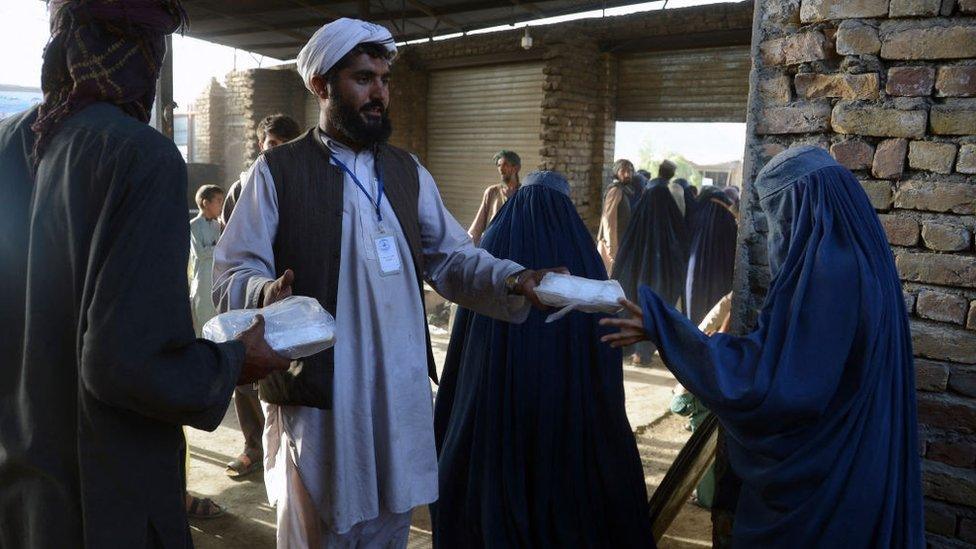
(365, 130)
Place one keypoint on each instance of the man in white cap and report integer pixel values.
(340, 215)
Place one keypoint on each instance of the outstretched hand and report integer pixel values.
(260, 360)
(279, 289)
(631, 329)
(528, 281)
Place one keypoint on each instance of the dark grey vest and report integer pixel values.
(308, 241)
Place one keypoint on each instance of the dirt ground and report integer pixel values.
(249, 521)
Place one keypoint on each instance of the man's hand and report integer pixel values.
(631, 329)
(260, 360)
(279, 289)
(529, 279)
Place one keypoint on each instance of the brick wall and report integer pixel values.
(889, 87)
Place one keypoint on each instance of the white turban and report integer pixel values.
(330, 43)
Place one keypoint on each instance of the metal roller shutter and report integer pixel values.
(699, 85)
(472, 113)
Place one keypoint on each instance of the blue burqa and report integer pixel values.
(712, 255)
(534, 445)
(819, 401)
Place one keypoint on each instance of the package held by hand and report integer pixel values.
(295, 327)
(574, 293)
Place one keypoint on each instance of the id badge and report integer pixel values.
(387, 253)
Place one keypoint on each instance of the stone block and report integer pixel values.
(802, 117)
(845, 86)
(929, 39)
(910, 81)
(909, 302)
(856, 38)
(939, 519)
(947, 483)
(956, 81)
(940, 269)
(971, 317)
(958, 453)
(794, 49)
(901, 231)
(967, 530)
(853, 154)
(880, 121)
(914, 8)
(941, 306)
(935, 196)
(879, 193)
(947, 411)
(775, 89)
(966, 163)
(932, 156)
(889, 158)
(931, 376)
(963, 381)
(822, 10)
(954, 117)
(945, 237)
(967, 6)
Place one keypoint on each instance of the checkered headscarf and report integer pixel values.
(103, 50)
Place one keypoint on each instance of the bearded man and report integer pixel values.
(341, 216)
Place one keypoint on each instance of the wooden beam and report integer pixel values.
(431, 13)
(529, 7)
(266, 27)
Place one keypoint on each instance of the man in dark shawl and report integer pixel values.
(535, 449)
(101, 367)
(712, 254)
(654, 251)
(819, 400)
(618, 203)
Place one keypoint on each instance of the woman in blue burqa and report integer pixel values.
(712, 255)
(534, 445)
(653, 252)
(819, 401)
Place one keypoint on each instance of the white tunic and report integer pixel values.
(203, 237)
(375, 449)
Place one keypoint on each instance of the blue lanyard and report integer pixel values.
(379, 183)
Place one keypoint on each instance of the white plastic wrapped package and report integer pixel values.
(295, 327)
(574, 293)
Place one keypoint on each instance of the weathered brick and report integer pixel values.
(946, 411)
(931, 376)
(932, 156)
(775, 89)
(971, 317)
(966, 163)
(856, 38)
(845, 86)
(901, 231)
(958, 453)
(853, 154)
(910, 81)
(799, 118)
(935, 196)
(889, 158)
(946, 483)
(865, 119)
(794, 49)
(942, 342)
(941, 306)
(945, 237)
(941, 269)
(967, 6)
(954, 117)
(914, 8)
(879, 193)
(962, 380)
(940, 518)
(930, 39)
(956, 81)
(822, 10)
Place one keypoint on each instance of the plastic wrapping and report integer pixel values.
(295, 327)
(574, 293)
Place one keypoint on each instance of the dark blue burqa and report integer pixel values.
(712, 253)
(819, 401)
(534, 445)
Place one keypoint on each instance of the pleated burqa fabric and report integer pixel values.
(712, 255)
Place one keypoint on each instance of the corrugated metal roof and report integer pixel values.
(279, 28)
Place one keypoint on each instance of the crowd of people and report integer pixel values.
(528, 442)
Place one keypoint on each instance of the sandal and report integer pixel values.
(242, 466)
(203, 508)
